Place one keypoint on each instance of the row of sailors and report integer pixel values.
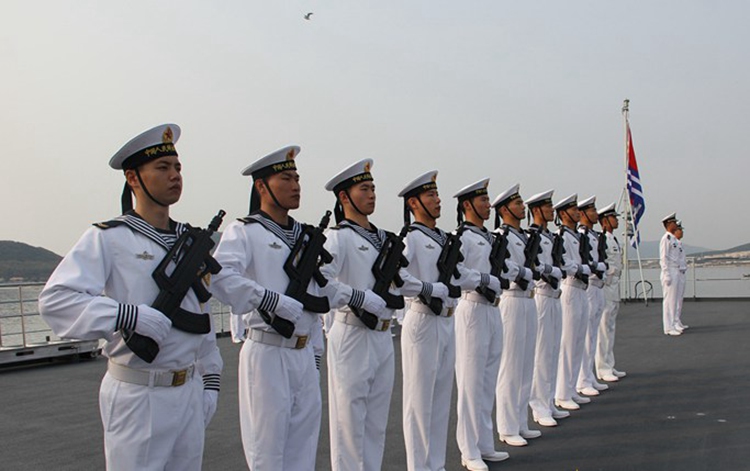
(544, 351)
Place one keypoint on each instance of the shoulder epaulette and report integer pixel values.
(247, 220)
(109, 224)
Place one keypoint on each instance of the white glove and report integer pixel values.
(541, 268)
(288, 308)
(601, 267)
(528, 275)
(440, 291)
(556, 273)
(373, 303)
(585, 269)
(210, 399)
(494, 284)
(152, 323)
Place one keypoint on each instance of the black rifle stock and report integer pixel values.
(584, 249)
(450, 257)
(183, 268)
(558, 250)
(531, 255)
(301, 266)
(601, 249)
(498, 255)
(385, 269)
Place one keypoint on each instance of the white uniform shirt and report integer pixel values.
(252, 257)
(614, 259)
(354, 250)
(104, 276)
(516, 248)
(423, 248)
(670, 250)
(594, 244)
(545, 254)
(476, 247)
(572, 256)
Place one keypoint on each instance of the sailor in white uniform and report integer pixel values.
(683, 278)
(605, 355)
(549, 314)
(154, 414)
(574, 306)
(670, 249)
(360, 348)
(428, 349)
(587, 383)
(519, 316)
(479, 331)
(279, 389)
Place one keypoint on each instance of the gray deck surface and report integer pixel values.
(685, 405)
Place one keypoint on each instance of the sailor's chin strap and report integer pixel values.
(126, 201)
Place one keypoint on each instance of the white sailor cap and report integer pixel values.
(425, 182)
(540, 199)
(608, 210)
(566, 202)
(475, 189)
(590, 201)
(275, 162)
(147, 146)
(670, 217)
(350, 176)
(679, 224)
(507, 196)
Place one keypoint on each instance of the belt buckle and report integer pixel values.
(450, 312)
(386, 325)
(179, 377)
(496, 302)
(531, 294)
(301, 342)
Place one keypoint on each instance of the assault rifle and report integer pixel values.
(301, 266)
(601, 249)
(558, 249)
(447, 265)
(183, 268)
(386, 267)
(531, 254)
(498, 256)
(584, 248)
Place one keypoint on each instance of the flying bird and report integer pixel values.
(307, 16)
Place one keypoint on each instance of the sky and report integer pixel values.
(522, 92)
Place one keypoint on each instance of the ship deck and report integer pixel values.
(685, 405)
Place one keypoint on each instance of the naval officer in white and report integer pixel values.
(672, 281)
(279, 389)
(154, 414)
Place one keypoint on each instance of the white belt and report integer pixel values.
(575, 282)
(297, 342)
(549, 292)
(349, 318)
(518, 293)
(149, 377)
(418, 306)
(596, 282)
(475, 297)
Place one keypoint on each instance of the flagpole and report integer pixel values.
(629, 211)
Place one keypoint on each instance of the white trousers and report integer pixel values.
(549, 330)
(672, 299)
(428, 356)
(152, 428)
(479, 345)
(605, 350)
(595, 297)
(574, 314)
(280, 407)
(360, 382)
(682, 279)
(517, 364)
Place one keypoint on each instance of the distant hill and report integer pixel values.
(19, 260)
